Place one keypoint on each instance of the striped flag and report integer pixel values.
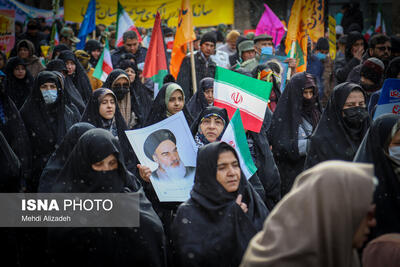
(368, 33)
(332, 37)
(124, 24)
(104, 65)
(155, 65)
(233, 90)
(378, 23)
(235, 136)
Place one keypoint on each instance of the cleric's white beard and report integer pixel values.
(175, 172)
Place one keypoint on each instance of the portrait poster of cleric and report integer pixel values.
(169, 150)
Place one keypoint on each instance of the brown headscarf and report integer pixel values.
(383, 251)
(314, 224)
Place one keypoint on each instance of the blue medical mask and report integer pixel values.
(320, 56)
(394, 153)
(49, 96)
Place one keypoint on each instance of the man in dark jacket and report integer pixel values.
(130, 45)
(204, 66)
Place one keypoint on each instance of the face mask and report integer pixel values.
(355, 116)
(394, 153)
(369, 87)
(120, 92)
(49, 96)
(320, 56)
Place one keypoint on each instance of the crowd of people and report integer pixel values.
(327, 180)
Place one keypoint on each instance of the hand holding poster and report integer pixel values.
(389, 101)
(169, 150)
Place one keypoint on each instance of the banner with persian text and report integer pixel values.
(143, 12)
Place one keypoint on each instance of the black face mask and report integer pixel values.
(354, 117)
(104, 181)
(369, 87)
(120, 92)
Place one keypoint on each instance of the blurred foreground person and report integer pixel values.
(312, 226)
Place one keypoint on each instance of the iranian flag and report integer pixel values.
(378, 23)
(155, 65)
(368, 33)
(237, 91)
(104, 65)
(124, 24)
(235, 136)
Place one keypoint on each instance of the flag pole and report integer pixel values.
(289, 72)
(194, 81)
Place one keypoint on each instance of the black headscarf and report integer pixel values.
(374, 149)
(393, 68)
(60, 156)
(71, 93)
(352, 38)
(90, 46)
(221, 112)
(46, 124)
(105, 246)
(77, 175)
(58, 49)
(334, 138)
(3, 55)
(158, 111)
(18, 90)
(13, 129)
(210, 229)
(92, 116)
(198, 102)
(284, 130)
(79, 77)
(141, 97)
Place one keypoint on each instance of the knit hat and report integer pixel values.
(208, 37)
(322, 44)
(232, 36)
(373, 69)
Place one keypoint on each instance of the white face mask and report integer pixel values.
(394, 153)
(49, 96)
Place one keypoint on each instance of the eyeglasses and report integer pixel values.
(383, 48)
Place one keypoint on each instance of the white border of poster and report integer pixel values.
(169, 189)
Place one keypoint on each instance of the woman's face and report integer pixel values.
(211, 128)
(19, 72)
(363, 230)
(395, 140)
(96, 54)
(176, 102)
(131, 73)
(228, 171)
(107, 107)
(48, 86)
(355, 99)
(23, 53)
(70, 67)
(121, 83)
(108, 164)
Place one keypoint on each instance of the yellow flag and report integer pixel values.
(297, 33)
(315, 20)
(184, 34)
(332, 37)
